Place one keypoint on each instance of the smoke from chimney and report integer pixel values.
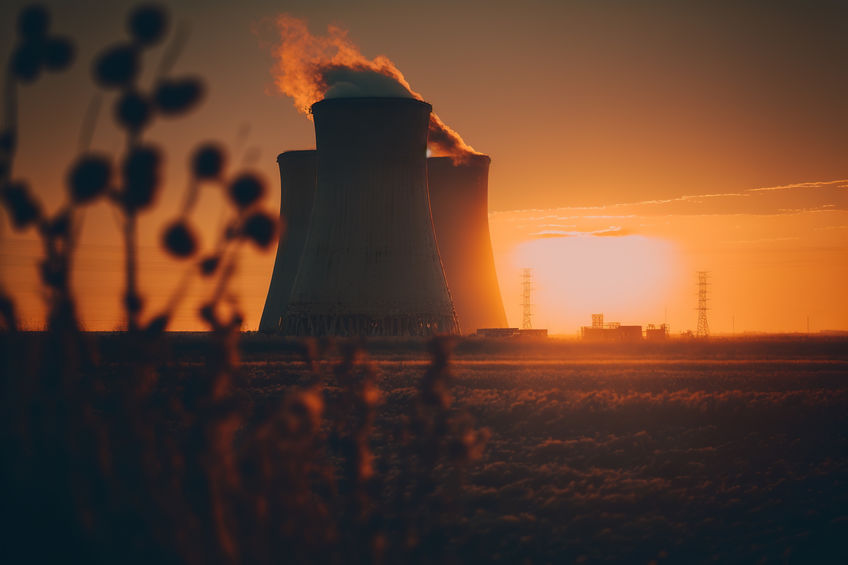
(310, 68)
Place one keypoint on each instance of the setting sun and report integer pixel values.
(627, 277)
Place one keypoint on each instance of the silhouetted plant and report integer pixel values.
(89, 178)
(147, 24)
(245, 190)
(36, 49)
(208, 162)
(22, 207)
(180, 240)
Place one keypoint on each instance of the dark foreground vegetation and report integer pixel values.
(312, 453)
(189, 458)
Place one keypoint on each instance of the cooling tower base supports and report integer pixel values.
(361, 325)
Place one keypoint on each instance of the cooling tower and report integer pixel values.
(459, 203)
(297, 189)
(370, 265)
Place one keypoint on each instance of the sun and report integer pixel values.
(629, 278)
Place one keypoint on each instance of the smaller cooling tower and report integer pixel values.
(370, 265)
(297, 189)
(459, 203)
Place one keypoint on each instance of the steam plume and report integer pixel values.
(310, 68)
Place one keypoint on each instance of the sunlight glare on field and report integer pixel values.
(629, 278)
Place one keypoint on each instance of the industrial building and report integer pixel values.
(379, 239)
(656, 333)
(459, 204)
(612, 331)
(370, 264)
(297, 189)
(615, 332)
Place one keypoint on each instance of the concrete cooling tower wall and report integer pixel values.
(370, 265)
(459, 202)
(297, 190)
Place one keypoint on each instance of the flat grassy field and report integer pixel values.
(201, 451)
(683, 452)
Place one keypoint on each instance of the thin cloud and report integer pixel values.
(612, 231)
(762, 240)
(814, 184)
(840, 227)
(775, 200)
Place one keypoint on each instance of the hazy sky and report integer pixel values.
(628, 142)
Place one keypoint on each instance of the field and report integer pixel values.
(730, 451)
(188, 449)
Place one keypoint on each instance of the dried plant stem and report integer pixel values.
(77, 218)
(191, 196)
(172, 52)
(228, 260)
(130, 266)
(180, 291)
(132, 300)
(89, 122)
(10, 123)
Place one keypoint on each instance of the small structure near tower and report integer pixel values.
(656, 333)
(612, 331)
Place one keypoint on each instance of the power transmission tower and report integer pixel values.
(703, 288)
(526, 299)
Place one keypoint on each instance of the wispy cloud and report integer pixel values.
(762, 240)
(612, 231)
(839, 227)
(814, 184)
(802, 197)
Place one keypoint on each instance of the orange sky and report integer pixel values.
(629, 142)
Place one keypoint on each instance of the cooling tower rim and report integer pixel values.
(360, 100)
(293, 153)
(473, 158)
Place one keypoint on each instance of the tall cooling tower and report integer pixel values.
(370, 265)
(459, 202)
(297, 190)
